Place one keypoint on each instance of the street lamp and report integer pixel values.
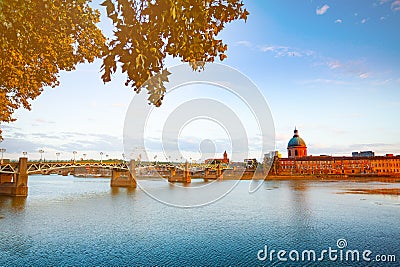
(74, 152)
(2, 150)
(41, 151)
(84, 156)
(101, 157)
(24, 153)
(57, 154)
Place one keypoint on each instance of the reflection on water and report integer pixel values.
(75, 221)
(115, 191)
(379, 191)
(12, 203)
(300, 208)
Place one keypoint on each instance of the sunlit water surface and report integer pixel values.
(82, 221)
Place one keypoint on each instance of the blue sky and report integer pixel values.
(330, 68)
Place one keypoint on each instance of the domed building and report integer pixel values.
(296, 146)
(360, 163)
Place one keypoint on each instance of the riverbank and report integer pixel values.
(365, 178)
(393, 179)
(317, 177)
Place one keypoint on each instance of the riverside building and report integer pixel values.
(360, 163)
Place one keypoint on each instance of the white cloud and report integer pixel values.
(272, 48)
(322, 10)
(282, 51)
(343, 150)
(396, 5)
(364, 75)
(40, 120)
(381, 82)
(294, 54)
(244, 43)
(363, 21)
(381, 2)
(338, 21)
(355, 68)
(324, 81)
(64, 142)
(334, 64)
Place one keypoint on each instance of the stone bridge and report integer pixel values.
(14, 175)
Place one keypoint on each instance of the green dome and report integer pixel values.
(296, 140)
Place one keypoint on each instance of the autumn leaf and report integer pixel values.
(179, 28)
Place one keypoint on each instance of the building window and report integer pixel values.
(296, 153)
(290, 153)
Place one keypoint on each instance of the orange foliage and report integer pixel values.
(40, 38)
(147, 31)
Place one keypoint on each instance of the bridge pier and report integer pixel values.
(213, 174)
(188, 179)
(17, 186)
(180, 177)
(21, 179)
(123, 178)
(219, 172)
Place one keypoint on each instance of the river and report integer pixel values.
(83, 222)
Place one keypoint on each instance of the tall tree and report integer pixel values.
(40, 38)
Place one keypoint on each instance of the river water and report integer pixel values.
(83, 222)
